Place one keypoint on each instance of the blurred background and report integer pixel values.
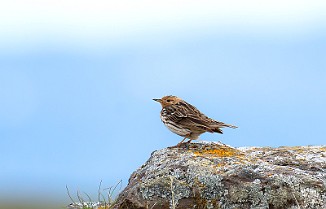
(77, 80)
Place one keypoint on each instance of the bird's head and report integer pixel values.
(168, 100)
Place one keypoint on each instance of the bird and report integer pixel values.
(186, 120)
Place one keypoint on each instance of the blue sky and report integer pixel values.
(77, 79)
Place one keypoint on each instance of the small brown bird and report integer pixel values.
(186, 120)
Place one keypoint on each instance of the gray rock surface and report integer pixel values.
(214, 175)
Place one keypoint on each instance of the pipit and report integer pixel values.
(186, 120)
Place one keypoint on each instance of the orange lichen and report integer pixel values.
(217, 152)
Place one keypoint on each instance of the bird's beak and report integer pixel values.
(157, 100)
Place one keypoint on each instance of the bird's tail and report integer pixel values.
(216, 127)
(229, 126)
(222, 125)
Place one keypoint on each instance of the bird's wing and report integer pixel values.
(190, 114)
(186, 110)
(184, 115)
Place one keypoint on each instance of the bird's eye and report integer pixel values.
(168, 100)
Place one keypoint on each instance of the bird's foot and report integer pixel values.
(182, 144)
(188, 142)
(178, 145)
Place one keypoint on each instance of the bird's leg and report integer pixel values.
(189, 141)
(179, 144)
(187, 136)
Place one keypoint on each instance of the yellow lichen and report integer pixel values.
(217, 152)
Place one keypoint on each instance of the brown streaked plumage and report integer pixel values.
(186, 120)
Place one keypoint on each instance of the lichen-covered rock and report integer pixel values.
(214, 175)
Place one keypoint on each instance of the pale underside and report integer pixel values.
(184, 132)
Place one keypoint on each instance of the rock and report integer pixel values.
(214, 175)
